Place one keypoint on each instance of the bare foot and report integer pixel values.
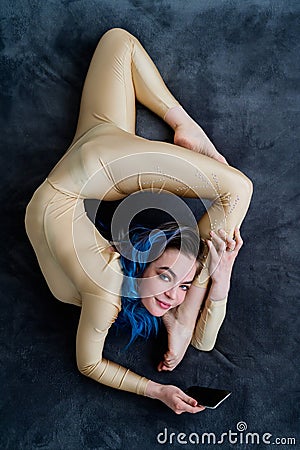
(179, 337)
(192, 136)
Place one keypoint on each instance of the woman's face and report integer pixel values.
(166, 280)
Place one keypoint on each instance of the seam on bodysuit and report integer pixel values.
(106, 169)
(63, 190)
(161, 102)
(102, 299)
(123, 377)
(124, 79)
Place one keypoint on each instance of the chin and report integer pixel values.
(158, 314)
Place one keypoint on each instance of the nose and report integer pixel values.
(172, 293)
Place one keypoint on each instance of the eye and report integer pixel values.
(164, 277)
(185, 287)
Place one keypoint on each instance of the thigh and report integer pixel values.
(136, 164)
(108, 93)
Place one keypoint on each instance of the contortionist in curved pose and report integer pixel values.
(185, 288)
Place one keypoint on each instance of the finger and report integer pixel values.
(170, 360)
(238, 239)
(217, 241)
(165, 366)
(237, 234)
(162, 366)
(212, 249)
(194, 409)
(170, 357)
(230, 242)
(194, 404)
(216, 236)
(189, 400)
(222, 233)
(168, 364)
(191, 408)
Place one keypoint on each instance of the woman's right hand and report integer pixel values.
(223, 251)
(173, 397)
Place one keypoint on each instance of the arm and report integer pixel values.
(214, 311)
(212, 314)
(209, 322)
(97, 315)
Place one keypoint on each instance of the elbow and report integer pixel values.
(83, 369)
(88, 369)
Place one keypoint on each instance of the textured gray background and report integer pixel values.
(234, 65)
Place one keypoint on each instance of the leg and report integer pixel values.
(125, 70)
(180, 323)
(136, 164)
(121, 71)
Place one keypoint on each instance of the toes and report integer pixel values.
(161, 366)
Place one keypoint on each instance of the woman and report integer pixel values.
(107, 161)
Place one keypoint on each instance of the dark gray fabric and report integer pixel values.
(234, 65)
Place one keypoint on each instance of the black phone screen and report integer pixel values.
(208, 397)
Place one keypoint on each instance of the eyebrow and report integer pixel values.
(174, 274)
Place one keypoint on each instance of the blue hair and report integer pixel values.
(146, 245)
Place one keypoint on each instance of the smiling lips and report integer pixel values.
(163, 304)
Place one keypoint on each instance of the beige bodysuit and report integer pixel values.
(108, 161)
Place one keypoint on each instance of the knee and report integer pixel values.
(248, 185)
(244, 184)
(117, 33)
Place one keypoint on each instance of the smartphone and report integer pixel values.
(208, 397)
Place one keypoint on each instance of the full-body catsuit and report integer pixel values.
(108, 161)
